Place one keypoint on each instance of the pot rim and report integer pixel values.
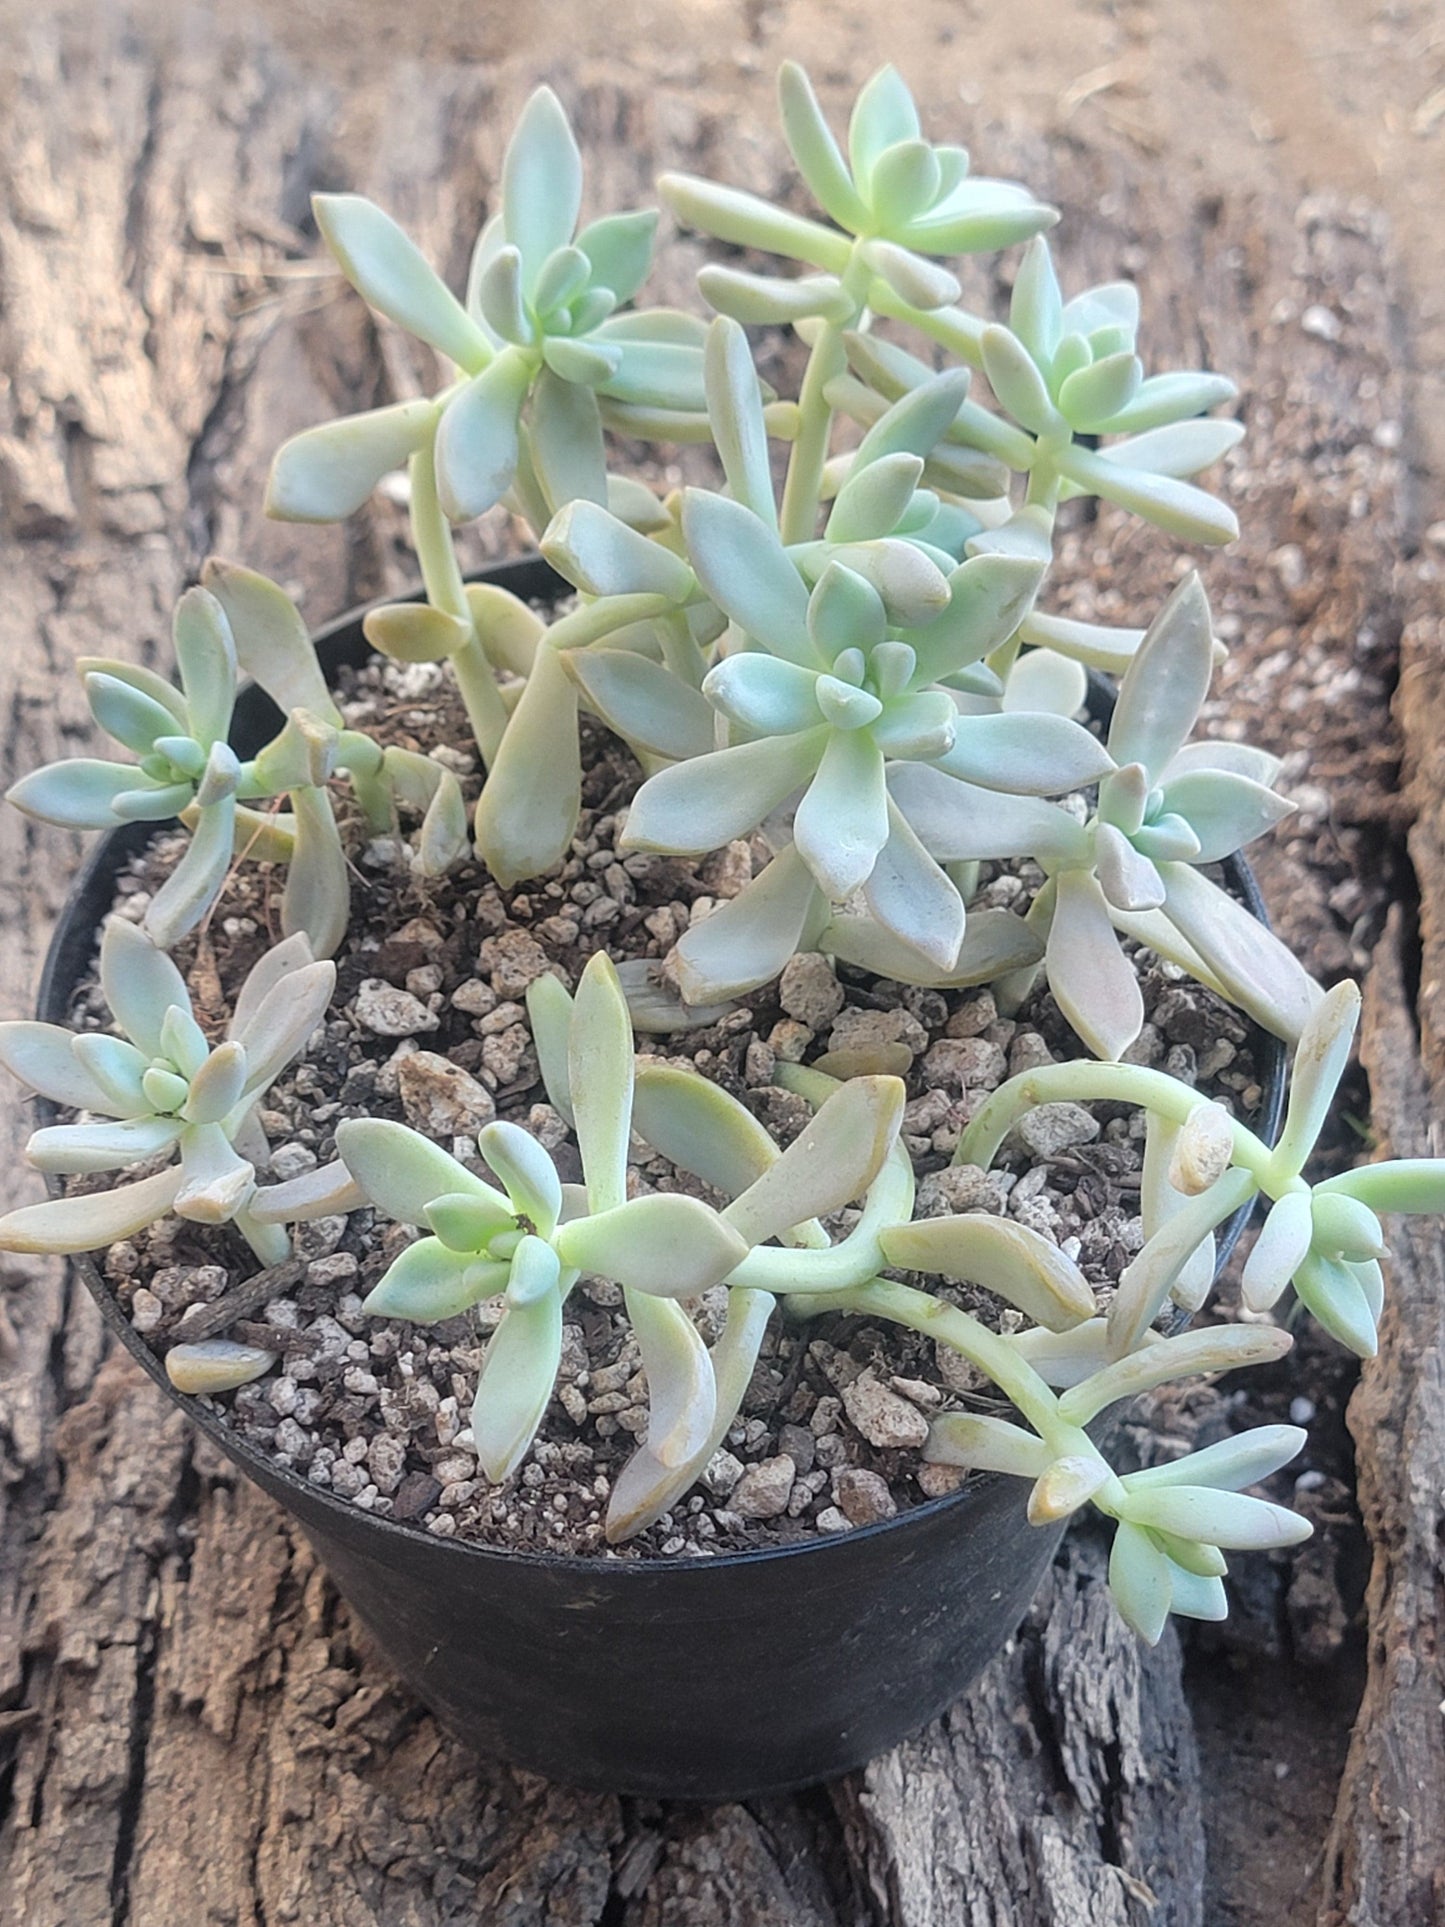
(531, 578)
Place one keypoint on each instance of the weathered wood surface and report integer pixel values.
(192, 1731)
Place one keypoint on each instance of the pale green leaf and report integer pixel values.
(327, 473)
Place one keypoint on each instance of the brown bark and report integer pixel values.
(197, 1734)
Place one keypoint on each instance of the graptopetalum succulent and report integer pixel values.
(855, 675)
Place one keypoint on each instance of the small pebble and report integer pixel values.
(388, 1012)
(764, 1489)
(881, 1415)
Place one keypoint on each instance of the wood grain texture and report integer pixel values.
(200, 1735)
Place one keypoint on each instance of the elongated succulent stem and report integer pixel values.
(1085, 1081)
(803, 488)
(442, 578)
(992, 1354)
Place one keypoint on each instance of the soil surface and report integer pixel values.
(429, 1026)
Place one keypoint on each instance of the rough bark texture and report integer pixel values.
(193, 1733)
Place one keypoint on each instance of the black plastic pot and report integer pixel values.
(696, 1678)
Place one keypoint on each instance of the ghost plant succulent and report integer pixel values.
(158, 1090)
(857, 676)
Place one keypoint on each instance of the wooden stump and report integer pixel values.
(192, 1729)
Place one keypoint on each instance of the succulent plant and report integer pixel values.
(159, 1089)
(859, 680)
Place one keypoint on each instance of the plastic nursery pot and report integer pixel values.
(699, 1678)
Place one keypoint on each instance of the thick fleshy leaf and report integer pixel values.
(1229, 1466)
(403, 1173)
(832, 1161)
(874, 498)
(1093, 644)
(702, 804)
(277, 963)
(134, 718)
(983, 1444)
(1204, 1148)
(1159, 1201)
(1399, 1184)
(1026, 755)
(913, 899)
(667, 1245)
(140, 983)
(1042, 682)
(518, 1374)
(284, 1021)
(1224, 811)
(495, 292)
(1016, 381)
(1129, 881)
(216, 1181)
(619, 246)
(1217, 1348)
(764, 694)
(564, 437)
(75, 795)
(735, 410)
(72, 1148)
(747, 940)
(645, 1487)
(118, 1068)
(995, 942)
(1036, 307)
(989, 596)
(1319, 1064)
(602, 556)
(1256, 970)
(389, 271)
(91, 1222)
(1335, 1294)
(681, 1387)
(1140, 1582)
(476, 439)
(841, 825)
(760, 300)
(1230, 1520)
(1179, 508)
(599, 1076)
(541, 181)
(1182, 449)
(323, 1193)
(327, 473)
(979, 215)
(813, 147)
(316, 902)
(530, 803)
(646, 704)
(428, 1282)
(272, 644)
(732, 215)
(218, 1085)
(1163, 399)
(701, 1128)
(845, 612)
(206, 658)
(527, 1173)
(414, 632)
(1148, 1281)
(1017, 1263)
(1279, 1250)
(663, 375)
(1166, 684)
(1091, 397)
(1067, 1358)
(1093, 982)
(913, 586)
(1064, 1486)
(742, 565)
(42, 1056)
(959, 822)
(883, 115)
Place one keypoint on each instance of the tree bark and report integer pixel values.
(193, 1729)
